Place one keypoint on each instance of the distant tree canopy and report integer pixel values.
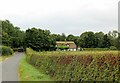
(87, 40)
(12, 36)
(39, 39)
(43, 40)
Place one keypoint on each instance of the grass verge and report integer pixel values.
(29, 73)
(2, 58)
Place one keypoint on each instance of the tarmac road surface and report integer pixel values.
(10, 67)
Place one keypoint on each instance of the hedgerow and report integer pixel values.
(96, 49)
(6, 50)
(101, 49)
(77, 66)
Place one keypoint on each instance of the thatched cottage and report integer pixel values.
(72, 46)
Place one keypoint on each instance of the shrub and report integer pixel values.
(6, 50)
(77, 66)
(15, 49)
(113, 48)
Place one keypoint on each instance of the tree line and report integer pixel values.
(43, 40)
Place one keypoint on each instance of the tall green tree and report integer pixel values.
(63, 37)
(106, 41)
(38, 39)
(99, 39)
(73, 38)
(11, 36)
(87, 40)
(113, 36)
(70, 37)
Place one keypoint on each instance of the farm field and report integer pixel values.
(77, 66)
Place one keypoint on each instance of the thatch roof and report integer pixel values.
(71, 44)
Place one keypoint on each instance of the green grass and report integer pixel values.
(2, 58)
(29, 73)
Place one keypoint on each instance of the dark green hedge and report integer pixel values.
(100, 49)
(6, 50)
(96, 49)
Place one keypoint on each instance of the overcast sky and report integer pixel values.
(62, 16)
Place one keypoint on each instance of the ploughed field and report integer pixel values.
(77, 66)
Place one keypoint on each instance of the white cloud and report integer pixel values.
(68, 16)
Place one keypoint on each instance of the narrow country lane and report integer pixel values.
(10, 67)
